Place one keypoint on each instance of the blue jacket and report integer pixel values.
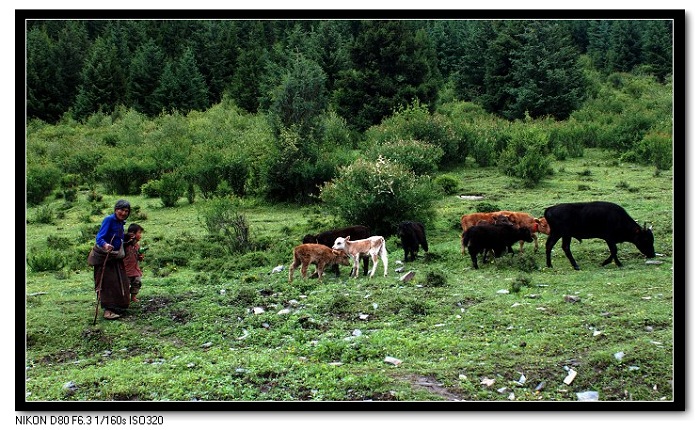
(111, 227)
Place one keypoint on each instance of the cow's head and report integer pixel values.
(310, 238)
(340, 257)
(525, 234)
(542, 225)
(644, 240)
(340, 243)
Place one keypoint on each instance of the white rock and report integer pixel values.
(357, 332)
(277, 269)
(511, 396)
(570, 377)
(284, 311)
(408, 276)
(364, 317)
(619, 355)
(502, 292)
(258, 311)
(488, 382)
(587, 396)
(392, 360)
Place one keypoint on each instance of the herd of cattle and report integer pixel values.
(483, 233)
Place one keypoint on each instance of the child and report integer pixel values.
(133, 256)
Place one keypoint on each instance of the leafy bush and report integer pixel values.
(486, 207)
(125, 176)
(417, 156)
(379, 195)
(170, 187)
(415, 122)
(657, 149)
(222, 221)
(42, 179)
(526, 156)
(447, 184)
(45, 260)
(44, 215)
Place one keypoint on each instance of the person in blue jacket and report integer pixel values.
(111, 282)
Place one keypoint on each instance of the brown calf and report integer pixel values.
(319, 255)
(517, 219)
(374, 246)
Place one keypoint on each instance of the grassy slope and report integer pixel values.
(194, 334)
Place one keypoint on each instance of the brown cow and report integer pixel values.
(517, 219)
(374, 246)
(523, 219)
(319, 255)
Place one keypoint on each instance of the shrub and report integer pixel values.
(222, 220)
(44, 215)
(379, 195)
(486, 207)
(435, 279)
(417, 156)
(447, 184)
(169, 188)
(526, 156)
(414, 122)
(46, 260)
(657, 149)
(42, 179)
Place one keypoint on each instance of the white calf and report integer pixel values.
(374, 246)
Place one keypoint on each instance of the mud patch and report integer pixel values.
(156, 303)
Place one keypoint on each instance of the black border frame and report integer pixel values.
(680, 304)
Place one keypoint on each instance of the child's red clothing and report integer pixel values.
(131, 260)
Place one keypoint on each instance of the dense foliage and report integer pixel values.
(369, 68)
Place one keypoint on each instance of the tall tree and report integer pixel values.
(657, 48)
(145, 69)
(548, 80)
(70, 54)
(100, 89)
(42, 91)
(182, 86)
(625, 49)
(390, 69)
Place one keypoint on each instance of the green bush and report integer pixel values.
(46, 260)
(417, 156)
(125, 176)
(526, 156)
(44, 215)
(379, 194)
(415, 122)
(447, 184)
(169, 188)
(657, 149)
(222, 220)
(42, 179)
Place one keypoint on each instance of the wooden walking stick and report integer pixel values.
(99, 284)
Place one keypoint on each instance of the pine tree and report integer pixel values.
(657, 48)
(101, 89)
(42, 92)
(145, 69)
(390, 68)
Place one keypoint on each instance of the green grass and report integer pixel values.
(194, 334)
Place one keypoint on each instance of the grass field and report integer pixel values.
(507, 331)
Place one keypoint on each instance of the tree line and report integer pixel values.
(363, 71)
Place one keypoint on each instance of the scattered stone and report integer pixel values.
(266, 326)
(539, 386)
(522, 380)
(245, 334)
(587, 396)
(364, 317)
(619, 355)
(597, 333)
(570, 377)
(293, 303)
(571, 299)
(392, 360)
(462, 377)
(375, 306)
(284, 311)
(408, 276)
(656, 262)
(258, 311)
(107, 353)
(511, 396)
(533, 296)
(207, 345)
(70, 387)
(488, 382)
(335, 363)
(646, 298)
(357, 332)
(277, 269)
(502, 390)
(502, 292)
(222, 291)
(191, 365)
(398, 270)
(468, 197)
(632, 368)
(399, 263)
(649, 328)
(40, 293)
